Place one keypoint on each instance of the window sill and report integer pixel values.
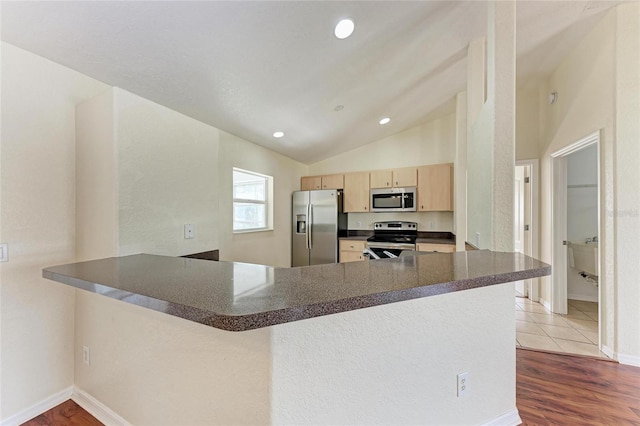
(251, 231)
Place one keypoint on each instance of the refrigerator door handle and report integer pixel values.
(309, 225)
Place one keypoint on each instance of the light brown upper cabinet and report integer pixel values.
(356, 192)
(397, 178)
(333, 181)
(435, 188)
(381, 179)
(407, 176)
(308, 183)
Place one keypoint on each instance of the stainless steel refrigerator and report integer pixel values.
(318, 221)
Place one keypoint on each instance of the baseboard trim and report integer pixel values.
(97, 409)
(629, 360)
(582, 298)
(608, 352)
(545, 303)
(510, 418)
(36, 409)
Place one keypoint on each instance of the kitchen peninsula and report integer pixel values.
(343, 364)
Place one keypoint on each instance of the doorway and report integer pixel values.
(576, 227)
(526, 220)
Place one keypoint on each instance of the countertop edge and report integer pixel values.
(251, 321)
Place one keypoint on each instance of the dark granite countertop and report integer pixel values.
(240, 296)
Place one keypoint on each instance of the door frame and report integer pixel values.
(533, 285)
(559, 219)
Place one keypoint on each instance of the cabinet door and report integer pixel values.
(350, 245)
(381, 179)
(435, 187)
(356, 192)
(350, 256)
(308, 183)
(442, 248)
(333, 182)
(407, 176)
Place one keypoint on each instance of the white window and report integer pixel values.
(252, 207)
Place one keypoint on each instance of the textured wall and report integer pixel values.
(38, 223)
(627, 176)
(167, 177)
(429, 143)
(156, 369)
(598, 91)
(397, 363)
(586, 104)
(96, 179)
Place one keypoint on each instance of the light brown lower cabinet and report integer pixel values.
(442, 248)
(351, 251)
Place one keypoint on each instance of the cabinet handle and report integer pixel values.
(396, 183)
(387, 183)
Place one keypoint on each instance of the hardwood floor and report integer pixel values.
(66, 414)
(551, 389)
(554, 389)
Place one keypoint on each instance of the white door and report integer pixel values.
(519, 221)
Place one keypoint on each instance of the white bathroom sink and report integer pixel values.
(584, 257)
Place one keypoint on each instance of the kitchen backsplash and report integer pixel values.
(427, 221)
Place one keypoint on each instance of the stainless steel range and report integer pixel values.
(392, 238)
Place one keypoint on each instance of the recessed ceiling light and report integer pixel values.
(278, 134)
(339, 108)
(344, 29)
(385, 120)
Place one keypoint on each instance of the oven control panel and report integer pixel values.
(396, 226)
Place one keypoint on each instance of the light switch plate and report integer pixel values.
(4, 252)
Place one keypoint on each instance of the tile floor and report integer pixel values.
(575, 333)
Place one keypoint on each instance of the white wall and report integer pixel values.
(144, 172)
(267, 247)
(586, 102)
(96, 179)
(627, 178)
(598, 91)
(167, 177)
(38, 223)
(395, 363)
(156, 369)
(432, 142)
(491, 136)
(527, 125)
(582, 214)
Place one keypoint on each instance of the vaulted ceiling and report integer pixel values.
(252, 68)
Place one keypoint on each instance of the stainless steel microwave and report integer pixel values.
(394, 199)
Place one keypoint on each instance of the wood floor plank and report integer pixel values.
(66, 414)
(558, 389)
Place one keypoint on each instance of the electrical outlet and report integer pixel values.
(189, 231)
(463, 383)
(477, 239)
(358, 224)
(86, 355)
(431, 225)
